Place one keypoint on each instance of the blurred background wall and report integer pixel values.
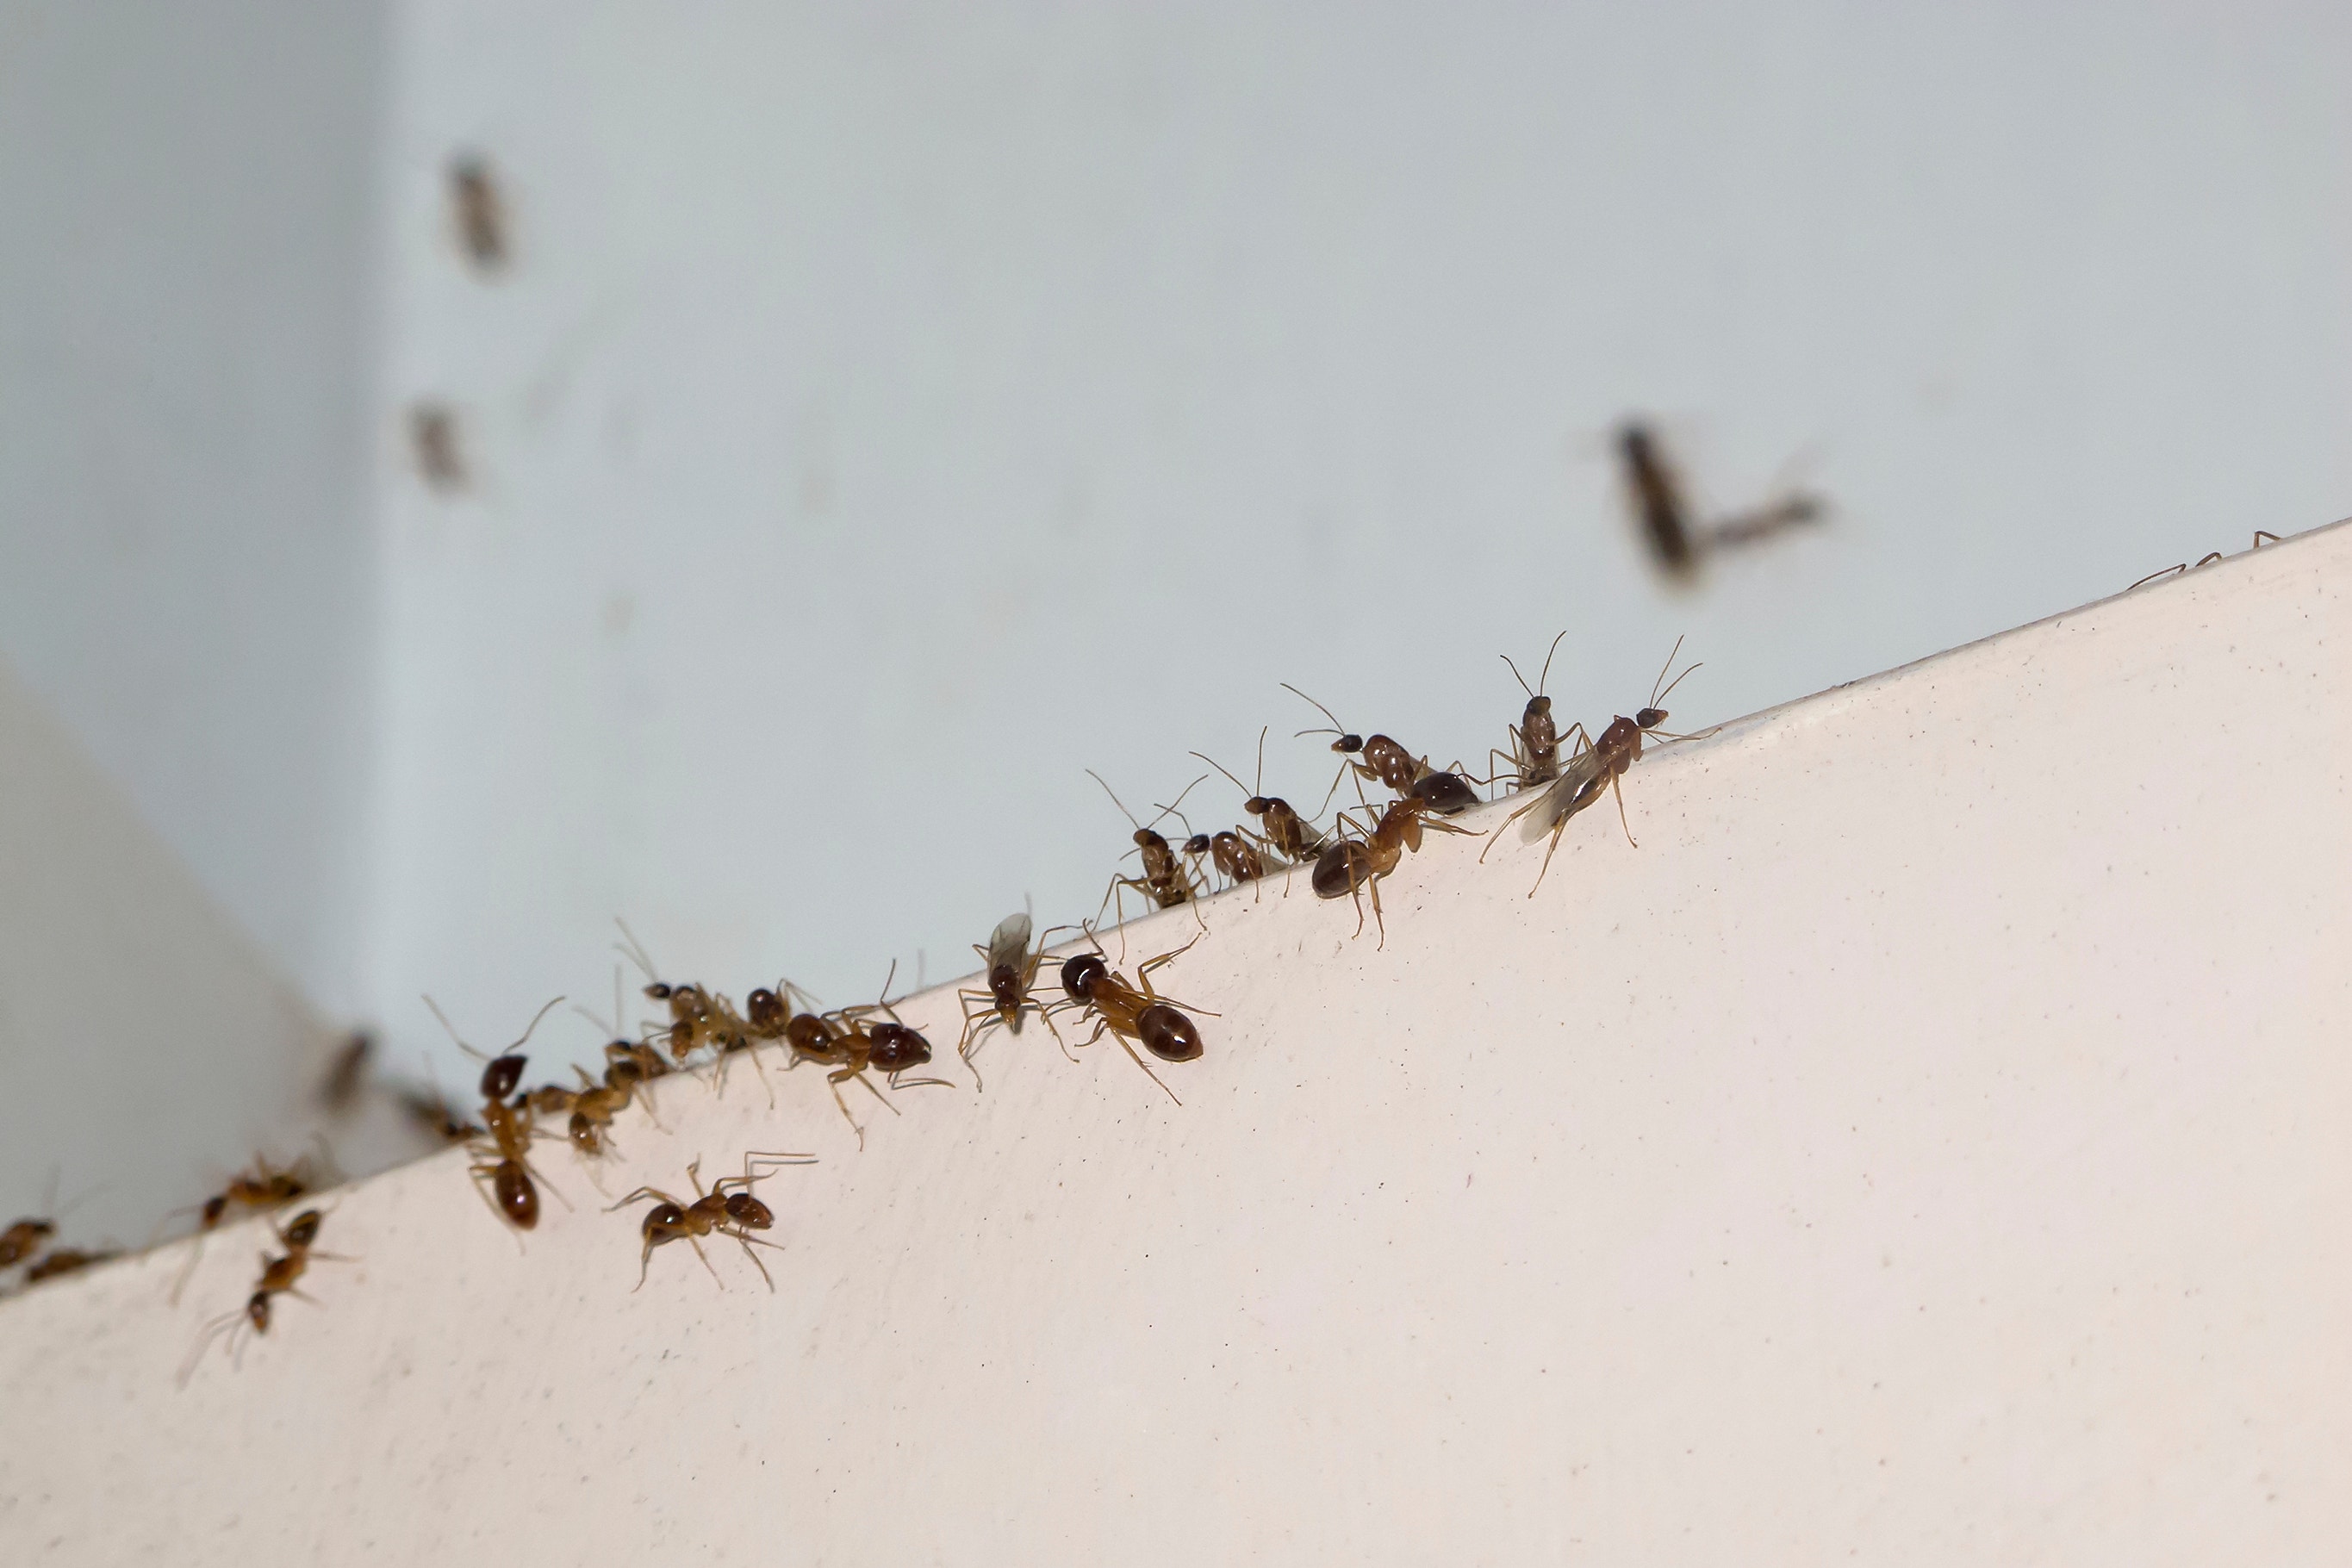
(883, 414)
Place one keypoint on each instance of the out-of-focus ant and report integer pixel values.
(279, 1277)
(1165, 881)
(1534, 757)
(1012, 975)
(1660, 505)
(347, 1074)
(503, 1149)
(2260, 536)
(1353, 867)
(480, 214)
(1130, 1014)
(440, 452)
(67, 1260)
(1595, 767)
(698, 1018)
(261, 1189)
(727, 1209)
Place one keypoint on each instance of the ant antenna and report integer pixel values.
(1536, 690)
(1345, 735)
(634, 951)
(1114, 799)
(1657, 696)
(469, 1051)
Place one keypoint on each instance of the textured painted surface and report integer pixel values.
(1929, 1144)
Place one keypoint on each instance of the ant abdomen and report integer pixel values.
(897, 1047)
(1444, 793)
(1079, 975)
(1342, 868)
(517, 1199)
(1167, 1034)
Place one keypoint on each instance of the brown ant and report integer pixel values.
(432, 1112)
(479, 211)
(1534, 756)
(846, 1041)
(696, 1017)
(264, 1187)
(2207, 559)
(734, 1215)
(630, 1066)
(1164, 882)
(1663, 512)
(501, 1149)
(440, 454)
(1352, 866)
(1280, 830)
(347, 1074)
(1382, 758)
(279, 1277)
(1012, 975)
(24, 1238)
(1597, 765)
(1132, 1015)
(67, 1260)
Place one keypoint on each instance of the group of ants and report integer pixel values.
(1362, 847)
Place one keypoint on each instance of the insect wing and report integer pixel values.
(1008, 944)
(1564, 796)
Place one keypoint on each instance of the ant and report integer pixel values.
(67, 1260)
(1012, 975)
(501, 1149)
(27, 1237)
(1132, 1015)
(265, 1187)
(1355, 866)
(630, 1066)
(279, 1277)
(846, 1041)
(480, 214)
(734, 1215)
(433, 1113)
(1599, 765)
(1383, 759)
(697, 1018)
(1663, 512)
(1281, 829)
(440, 454)
(347, 1074)
(1534, 756)
(1165, 882)
(2261, 534)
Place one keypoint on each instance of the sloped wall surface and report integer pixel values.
(1930, 1144)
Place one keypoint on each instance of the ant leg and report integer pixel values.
(2263, 533)
(745, 1242)
(2152, 576)
(541, 1177)
(1374, 888)
(696, 1243)
(1620, 794)
(644, 1192)
(645, 1263)
(1147, 1071)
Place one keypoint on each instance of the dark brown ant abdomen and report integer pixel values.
(1080, 973)
(1342, 868)
(749, 1212)
(1004, 985)
(1167, 1034)
(1444, 793)
(517, 1199)
(897, 1047)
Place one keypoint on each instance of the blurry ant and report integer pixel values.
(264, 1187)
(1012, 975)
(347, 1074)
(697, 1018)
(1353, 867)
(734, 1215)
(630, 1066)
(501, 1149)
(2260, 535)
(67, 1260)
(432, 1112)
(440, 454)
(1281, 829)
(1662, 509)
(1165, 882)
(278, 1277)
(1132, 1015)
(479, 211)
(1534, 756)
(27, 1237)
(1597, 765)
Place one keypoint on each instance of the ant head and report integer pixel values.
(1349, 745)
(1257, 806)
(215, 1206)
(1145, 839)
(256, 1312)
(766, 1011)
(500, 1077)
(1538, 707)
(657, 991)
(1634, 440)
(1650, 718)
(1197, 845)
(1080, 975)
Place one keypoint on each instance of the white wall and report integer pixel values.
(186, 572)
(892, 413)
